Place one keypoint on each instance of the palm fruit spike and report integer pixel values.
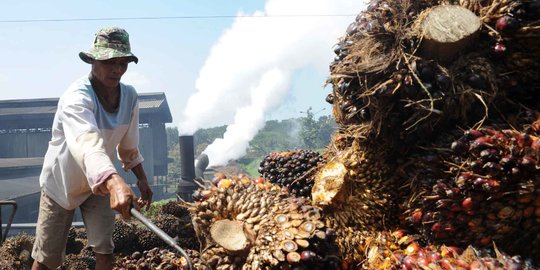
(293, 170)
(491, 196)
(355, 195)
(249, 225)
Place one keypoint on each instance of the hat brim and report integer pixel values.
(88, 57)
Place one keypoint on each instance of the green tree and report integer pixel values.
(327, 126)
(309, 131)
(172, 136)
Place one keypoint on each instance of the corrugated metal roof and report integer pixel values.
(152, 105)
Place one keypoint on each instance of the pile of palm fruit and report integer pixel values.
(136, 247)
(438, 110)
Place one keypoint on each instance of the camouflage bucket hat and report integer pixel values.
(110, 42)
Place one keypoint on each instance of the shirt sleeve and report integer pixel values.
(128, 149)
(84, 139)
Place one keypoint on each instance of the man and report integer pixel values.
(97, 117)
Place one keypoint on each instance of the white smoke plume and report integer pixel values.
(249, 69)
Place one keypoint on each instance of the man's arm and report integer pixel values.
(142, 184)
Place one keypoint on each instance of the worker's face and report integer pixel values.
(109, 72)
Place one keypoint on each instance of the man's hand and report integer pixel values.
(122, 197)
(146, 193)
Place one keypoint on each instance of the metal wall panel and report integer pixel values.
(13, 145)
(146, 148)
(38, 143)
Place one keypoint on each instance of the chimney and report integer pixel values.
(187, 167)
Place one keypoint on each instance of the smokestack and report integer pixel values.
(187, 167)
(187, 158)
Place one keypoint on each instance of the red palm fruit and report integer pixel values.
(416, 216)
(409, 262)
(462, 263)
(535, 145)
(399, 233)
(476, 265)
(467, 203)
(421, 253)
(499, 48)
(525, 198)
(472, 134)
(259, 180)
(434, 256)
(441, 235)
(484, 241)
(507, 23)
(446, 264)
(524, 140)
(449, 228)
(422, 263)
(307, 255)
(412, 248)
(450, 251)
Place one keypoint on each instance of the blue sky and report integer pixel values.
(40, 57)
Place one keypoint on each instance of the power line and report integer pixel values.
(173, 18)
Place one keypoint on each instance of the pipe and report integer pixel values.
(200, 165)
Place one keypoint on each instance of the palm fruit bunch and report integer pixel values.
(242, 223)
(147, 240)
(15, 252)
(490, 193)
(175, 208)
(187, 238)
(124, 236)
(355, 192)
(152, 259)
(293, 170)
(407, 70)
(170, 224)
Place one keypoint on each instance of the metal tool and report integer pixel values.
(13, 204)
(161, 234)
